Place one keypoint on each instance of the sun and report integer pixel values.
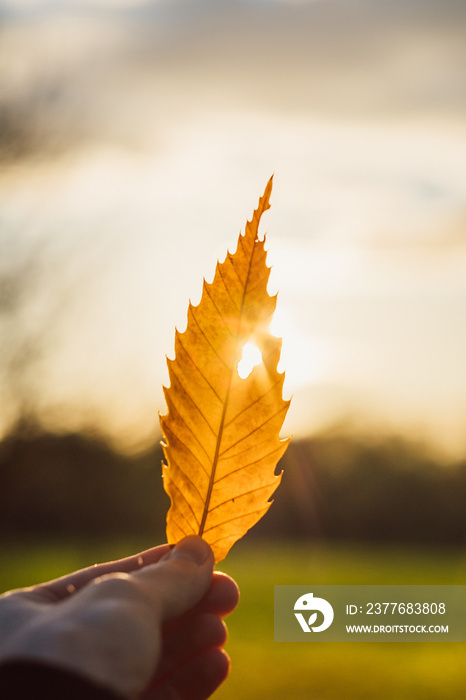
(305, 359)
(250, 358)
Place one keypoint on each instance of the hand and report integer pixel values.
(148, 626)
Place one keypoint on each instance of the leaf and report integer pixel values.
(221, 430)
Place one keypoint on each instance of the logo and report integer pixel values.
(308, 603)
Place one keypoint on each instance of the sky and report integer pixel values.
(135, 141)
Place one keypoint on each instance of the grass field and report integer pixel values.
(262, 668)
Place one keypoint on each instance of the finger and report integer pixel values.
(195, 680)
(191, 636)
(122, 615)
(219, 601)
(178, 581)
(62, 587)
(167, 589)
(221, 598)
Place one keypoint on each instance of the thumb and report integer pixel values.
(180, 579)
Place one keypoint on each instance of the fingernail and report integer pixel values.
(192, 548)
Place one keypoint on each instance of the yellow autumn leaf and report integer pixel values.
(221, 431)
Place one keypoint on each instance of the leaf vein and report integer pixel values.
(207, 339)
(172, 483)
(244, 493)
(244, 437)
(188, 480)
(198, 369)
(250, 464)
(187, 446)
(207, 289)
(254, 403)
(230, 520)
(188, 396)
(225, 284)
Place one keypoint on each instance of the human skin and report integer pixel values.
(149, 626)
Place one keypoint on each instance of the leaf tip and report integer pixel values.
(264, 201)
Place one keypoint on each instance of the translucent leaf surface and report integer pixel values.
(221, 431)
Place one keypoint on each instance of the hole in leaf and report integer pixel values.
(251, 357)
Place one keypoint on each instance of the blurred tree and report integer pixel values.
(385, 490)
(58, 485)
(334, 487)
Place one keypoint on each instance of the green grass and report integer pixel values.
(24, 563)
(262, 668)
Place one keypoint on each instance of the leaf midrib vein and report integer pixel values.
(225, 405)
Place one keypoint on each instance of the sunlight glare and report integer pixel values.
(304, 359)
(251, 357)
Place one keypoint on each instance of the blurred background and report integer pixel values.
(136, 137)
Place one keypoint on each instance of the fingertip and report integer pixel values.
(230, 589)
(192, 548)
(180, 579)
(222, 596)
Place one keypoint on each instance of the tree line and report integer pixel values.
(334, 487)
